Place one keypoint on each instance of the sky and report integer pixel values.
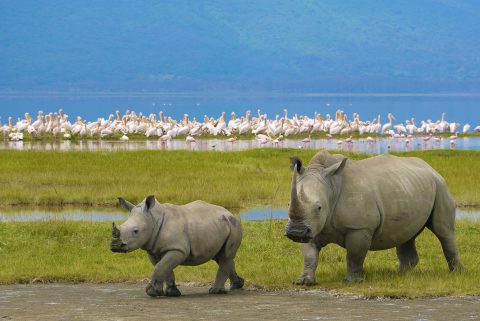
(248, 46)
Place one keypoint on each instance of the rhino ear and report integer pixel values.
(294, 160)
(150, 202)
(335, 168)
(125, 204)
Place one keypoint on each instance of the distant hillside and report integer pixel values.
(267, 45)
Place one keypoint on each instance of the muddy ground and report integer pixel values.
(128, 301)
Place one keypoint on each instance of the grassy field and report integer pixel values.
(232, 179)
(79, 251)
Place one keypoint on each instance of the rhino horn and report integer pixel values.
(294, 201)
(115, 231)
(303, 196)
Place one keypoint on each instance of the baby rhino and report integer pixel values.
(174, 235)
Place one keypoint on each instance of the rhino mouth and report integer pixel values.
(298, 233)
(118, 246)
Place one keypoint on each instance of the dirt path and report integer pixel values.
(124, 301)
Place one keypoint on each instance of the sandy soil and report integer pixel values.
(128, 301)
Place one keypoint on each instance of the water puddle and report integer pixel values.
(360, 145)
(269, 214)
(258, 214)
(69, 215)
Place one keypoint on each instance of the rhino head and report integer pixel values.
(137, 230)
(312, 199)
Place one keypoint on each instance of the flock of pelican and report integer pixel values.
(58, 124)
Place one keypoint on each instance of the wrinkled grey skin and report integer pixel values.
(174, 235)
(373, 204)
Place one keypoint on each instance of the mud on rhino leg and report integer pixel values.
(310, 261)
(357, 243)
(163, 271)
(407, 255)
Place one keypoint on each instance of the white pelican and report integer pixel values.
(307, 139)
(165, 138)
(386, 127)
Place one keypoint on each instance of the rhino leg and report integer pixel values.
(171, 288)
(310, 261)
(442, 224)
(163, 271)
(224, 259)
(449, 247)
(154, 289)
(357, 243)
(236, 281)
(225, 266)
(407, 255)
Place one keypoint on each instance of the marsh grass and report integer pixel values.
(66, 251)
(234, 180)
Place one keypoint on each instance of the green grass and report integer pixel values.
(232, 179)
(66, 251)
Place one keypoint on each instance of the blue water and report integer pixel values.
(275, 214)
(458, 108)
(23, 215)
(378, 146)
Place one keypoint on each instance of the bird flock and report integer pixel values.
(118, 126)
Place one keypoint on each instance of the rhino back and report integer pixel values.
(391, 196)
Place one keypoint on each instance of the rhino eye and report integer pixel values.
(319, 208)
(135, 231)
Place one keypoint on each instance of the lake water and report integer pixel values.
(269, 214)
(380, 145)
(23, 215)
(461, 108)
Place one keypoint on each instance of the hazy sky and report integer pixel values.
(347, 45)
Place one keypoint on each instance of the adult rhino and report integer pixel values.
(372, 204)
(173, 235)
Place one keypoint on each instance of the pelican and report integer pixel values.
(307, 139)
(386, 127)
(165, 138)
(190, 139)
(466, 128)
(427, 138)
